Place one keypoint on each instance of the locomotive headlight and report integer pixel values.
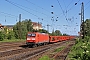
(33, 38)
(28, 38)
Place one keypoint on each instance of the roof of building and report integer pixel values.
(36, 24)
(1, 25)
(9, 25)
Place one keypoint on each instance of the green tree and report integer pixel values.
(16, 30)
(65, 35)
(29, 25)
(1, 35)
(42, 31)
(87, 27)
(10, 35)
(58, 33)
(20, 31)
(53, 33)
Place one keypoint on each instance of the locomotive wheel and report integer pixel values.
(44, 43)
(29, 46)
(34, 46)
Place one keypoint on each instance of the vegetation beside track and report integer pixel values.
(13, 40)
(81, 50)
(47, 57)
(59, 49)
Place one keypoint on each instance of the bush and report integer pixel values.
(1, 35)
(10, 35)
(81, 50)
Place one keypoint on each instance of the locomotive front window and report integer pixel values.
(29, 34)
(32, 35)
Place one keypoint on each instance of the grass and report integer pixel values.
(48, 58)
(59, 49)
(13, 40)
(45, 58)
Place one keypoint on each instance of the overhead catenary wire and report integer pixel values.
(36, 5)
(73, 6)
(67, 10)
(62, 9)
(25, 10)
(69, 4)
(10, 15)
(70, 9)
(85, 8)
(87, 4)
(64, 4)
(39, 6)
(22, 8)
(29, 8)
(64, 14)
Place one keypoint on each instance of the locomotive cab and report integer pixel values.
(31, 38)
(36, 38)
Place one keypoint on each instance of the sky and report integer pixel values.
(65, 15)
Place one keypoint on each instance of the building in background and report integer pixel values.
(9, 28)
(36, 25)
(1, 27)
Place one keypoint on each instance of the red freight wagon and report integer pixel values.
(53, 39)
(37, 38)
(72, 37)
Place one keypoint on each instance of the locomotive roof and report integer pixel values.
(37, 32)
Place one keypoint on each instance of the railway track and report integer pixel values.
(21, 53)
(10, 46)
(27, 53)
(63, 54)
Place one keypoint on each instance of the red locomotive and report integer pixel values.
(36, 38)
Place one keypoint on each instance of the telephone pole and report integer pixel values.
(20, 36)
(82, 32)
(48, 27)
